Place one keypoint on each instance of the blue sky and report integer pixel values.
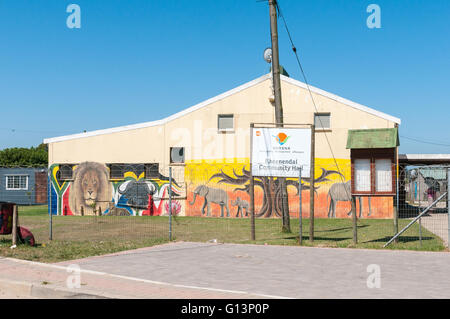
(140, 60)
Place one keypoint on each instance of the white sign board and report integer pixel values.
(280, 152)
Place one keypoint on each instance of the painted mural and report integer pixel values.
(92, 192)
(219, 189)
(223, 189)
(90, 189)
(242, 206)
(341, 192)
(211, 195)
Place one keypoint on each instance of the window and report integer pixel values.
(177, 155)
(225, 122)
(362, 175)
(119, 171)
(66, 171)
(116, 171)
(373, 171)
(17, 182)
(383, 175)
(152, 170)
(322, 121)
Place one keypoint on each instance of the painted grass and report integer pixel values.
(78, 237)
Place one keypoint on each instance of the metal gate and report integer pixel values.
(423, 199)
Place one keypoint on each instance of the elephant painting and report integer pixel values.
(241, 205)
(343, 192)
(211, 195)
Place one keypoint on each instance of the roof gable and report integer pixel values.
(342, 100)
(217, 98)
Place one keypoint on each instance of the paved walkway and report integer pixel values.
(25, 279)
(200, 270)
(278, 271)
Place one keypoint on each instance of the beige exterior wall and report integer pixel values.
(219, 155)
(197, 130)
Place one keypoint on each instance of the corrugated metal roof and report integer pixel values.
(373, 138)
(435, 173)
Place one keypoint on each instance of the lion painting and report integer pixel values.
(90, 191)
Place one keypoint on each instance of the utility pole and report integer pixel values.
(276, 63)
(278, 106)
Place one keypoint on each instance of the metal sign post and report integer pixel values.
(170, 203)
(311, 185)
(50, 235)
(252, 207)
(300, 233)
(354, 219)
(252, 190)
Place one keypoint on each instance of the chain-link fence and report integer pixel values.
(211, 202)
(419, 187)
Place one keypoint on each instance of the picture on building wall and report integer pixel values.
(91, 191)
(216, 188)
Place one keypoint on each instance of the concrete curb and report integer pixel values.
(31, 290)
(22, 289)
(52, 291)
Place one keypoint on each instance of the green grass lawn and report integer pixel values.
(77, 237)
(34, 210)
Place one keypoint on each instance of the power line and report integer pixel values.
(14, 130)
(294, 49)
(424, 142)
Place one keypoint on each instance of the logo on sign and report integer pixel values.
(281, 138)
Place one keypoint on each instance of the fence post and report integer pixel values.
(396, 219)
(14, 225)
(252, 207)
(252, 189)
(419, 191)
(311, 184)
(448, 205)
(420, 232)
(396, 206)
(355, 225)
(50, 235)
(300, 233)
(170, 203)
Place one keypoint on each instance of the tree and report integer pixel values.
(270, 186)
(24, 157)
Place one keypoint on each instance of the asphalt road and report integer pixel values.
(285, 271)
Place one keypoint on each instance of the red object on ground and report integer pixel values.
(6, 216)
(25, 236)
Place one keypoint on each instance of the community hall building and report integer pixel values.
(125, 170)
